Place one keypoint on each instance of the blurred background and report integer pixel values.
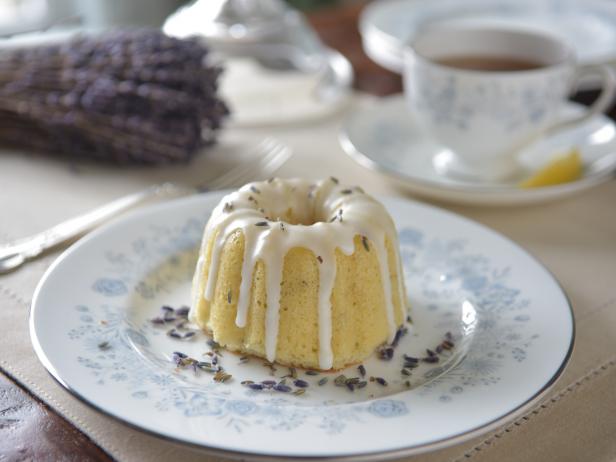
(23, 15)
(301, 58)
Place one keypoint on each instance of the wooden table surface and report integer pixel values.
(30, 430)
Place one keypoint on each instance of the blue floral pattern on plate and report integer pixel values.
(498, 335)
(105, 338)
(119, 362)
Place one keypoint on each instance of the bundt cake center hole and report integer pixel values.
(293, 216)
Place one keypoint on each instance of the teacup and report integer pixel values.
(486, 93)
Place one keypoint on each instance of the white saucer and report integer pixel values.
(589, 25)
(383, 138)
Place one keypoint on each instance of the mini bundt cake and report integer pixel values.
(304, 274)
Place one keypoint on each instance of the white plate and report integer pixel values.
(589, 26)
(384, 138)
(512, 325)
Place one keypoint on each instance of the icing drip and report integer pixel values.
(279, 215)
(389, 306)
(327, 276)
(198, 272)
(247, 270)
(273, 260)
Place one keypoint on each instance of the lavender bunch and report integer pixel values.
(126, 97)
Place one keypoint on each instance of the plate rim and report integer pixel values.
(243, 455)
(472, 194)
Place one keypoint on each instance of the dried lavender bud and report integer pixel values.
(364, 241)
(282, 388)
(205, 366)
(182, 312)
(173, 333)
(222, 376)
(177, 357)
(401, 332)
(168, 317)
(385, 353)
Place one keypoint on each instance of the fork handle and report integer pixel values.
(32, 246)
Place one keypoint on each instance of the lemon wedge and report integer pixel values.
(562, 169)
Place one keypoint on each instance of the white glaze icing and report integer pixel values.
(328, 216)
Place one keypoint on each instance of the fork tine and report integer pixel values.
(270, 153)
(263, 152)
(273, 164)
(234, 176)
(278, 154)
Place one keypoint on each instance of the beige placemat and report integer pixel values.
(575, 239)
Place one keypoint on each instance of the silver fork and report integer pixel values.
(270, 155)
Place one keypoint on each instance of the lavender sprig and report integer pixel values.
(124, 97)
